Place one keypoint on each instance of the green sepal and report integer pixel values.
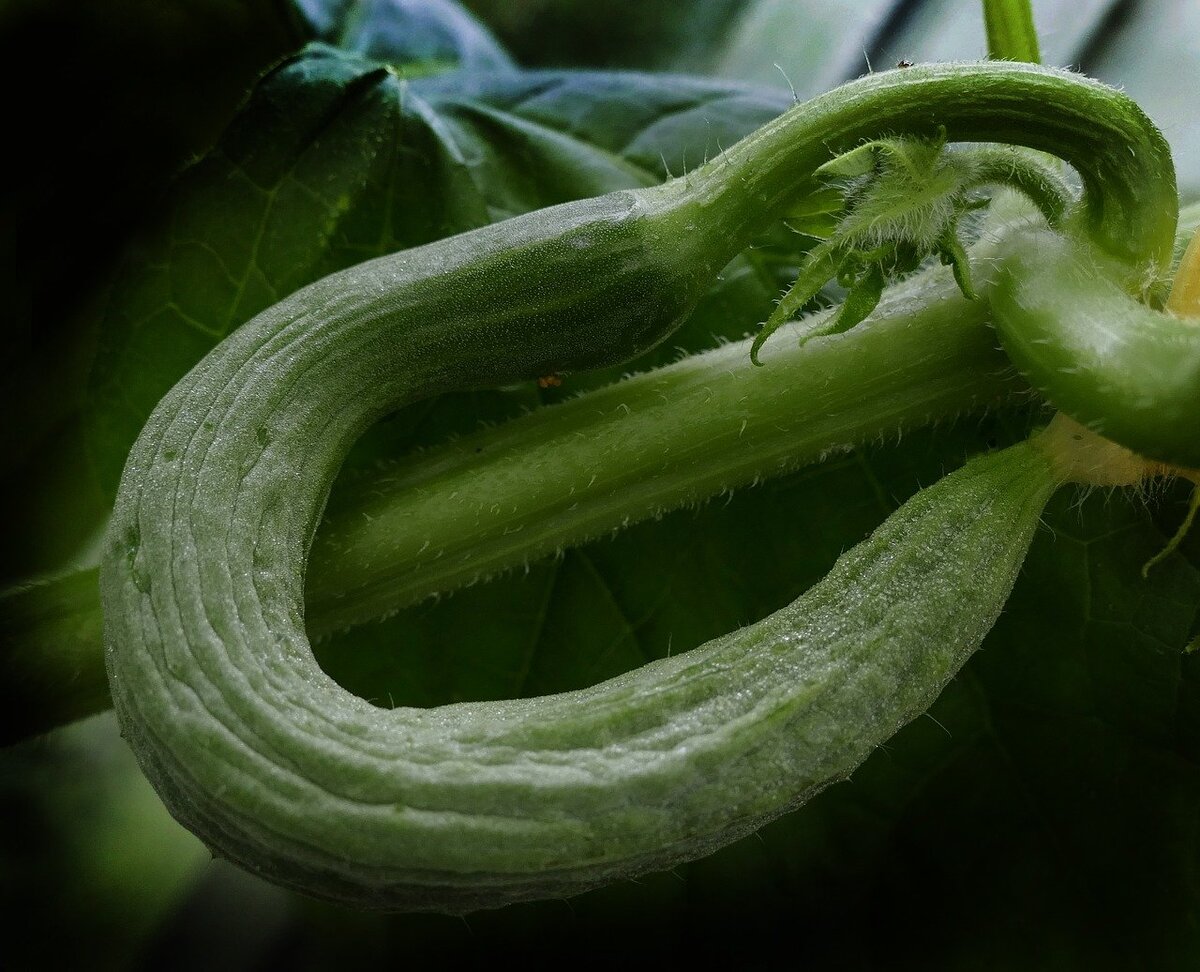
(862, 299)
(903, 200)
(917, 157)
(824, 262)
(816, 213)
(854, 164)
(954, 255)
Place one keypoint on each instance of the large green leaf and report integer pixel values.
(428, 35)
(805, 47)
(1147, 47)
(614, 34)
(108, 99)
(336, 159)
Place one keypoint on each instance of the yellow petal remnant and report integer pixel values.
(1081, 456)
(1184, 299)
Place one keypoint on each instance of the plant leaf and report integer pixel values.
(335, 159)
(431, 35)
(805, 47)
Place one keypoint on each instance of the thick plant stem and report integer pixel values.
(559, 476)
(1011, 35)
(646, 445)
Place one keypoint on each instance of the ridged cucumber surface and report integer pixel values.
(477, 805)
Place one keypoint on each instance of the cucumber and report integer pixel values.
(478, 805)
(275, 766)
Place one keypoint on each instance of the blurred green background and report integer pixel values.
(1044, 816)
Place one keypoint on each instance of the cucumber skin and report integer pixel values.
(456, 808)
(471, 806)
(242, 452)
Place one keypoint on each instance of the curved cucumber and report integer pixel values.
(255, 749)
(478, 805)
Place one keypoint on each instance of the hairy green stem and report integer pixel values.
(1130, 203)
(1011, 35)
(1015, 169)
(1124, 370)
(604, 460)
(646, 445)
